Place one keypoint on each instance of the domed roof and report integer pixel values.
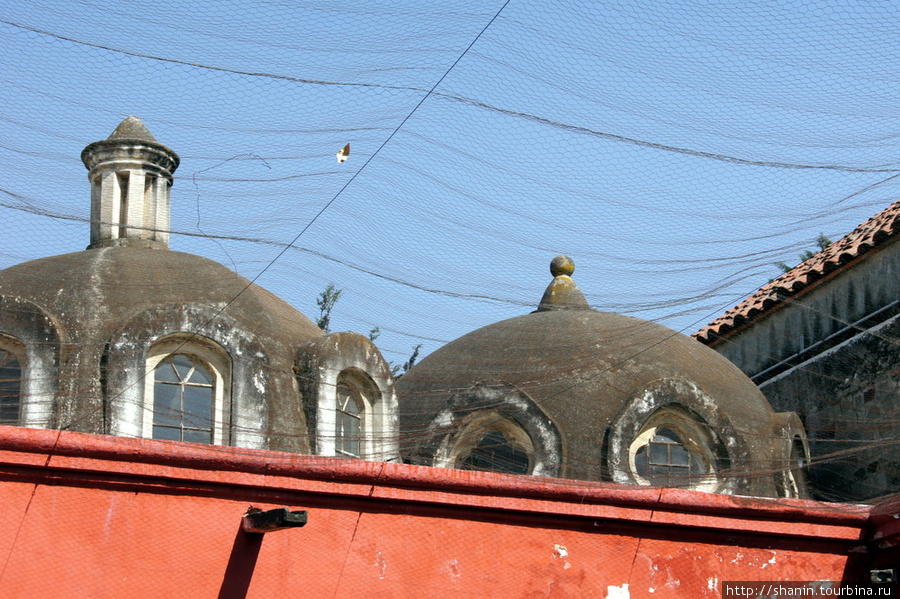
(578, 363)
(582, 367)
(588, 372)
(93, 292)
(88, 324)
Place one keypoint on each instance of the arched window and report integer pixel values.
(187, 391)
(667, 462)
(348, 421)
(10, 388)
(674, 450)
(356, 401)
(490, 442)
(183, 400)
(495, 452)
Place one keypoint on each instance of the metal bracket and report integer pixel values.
(259, 521)
(885, 575)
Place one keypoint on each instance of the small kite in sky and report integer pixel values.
(343, 153)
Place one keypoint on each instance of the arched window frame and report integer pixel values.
(319, 363)
(459, 447)
(34, 337)
(10, 346)
(468, 412)
(695, 437)
(217, 362)
(792, 481)
(357, 386)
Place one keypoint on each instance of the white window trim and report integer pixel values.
(695, 438)
(459, 446)
(363, 408)
(793, 483)
(214, 358)
(367, 396)
(376, 442)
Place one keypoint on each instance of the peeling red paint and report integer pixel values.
(115, 517)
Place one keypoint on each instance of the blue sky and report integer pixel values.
(675, 150)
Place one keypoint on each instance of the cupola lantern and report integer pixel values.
(130, 174)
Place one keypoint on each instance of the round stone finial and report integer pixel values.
(562, 265)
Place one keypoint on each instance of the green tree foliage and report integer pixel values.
(326, 301)
(822, 242)
(397, 370)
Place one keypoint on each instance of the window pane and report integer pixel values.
(667, 435)
(348, 403)
(167, 405)
(348, 421)
(183, 364)
(659, 475)
(194, 436)
(659, 453)
(183, 400)
(667, 461)
(198, 403)
(348, 434)
(679, 455)
(166, 371)
(167, 433)
(495, 453)
(201, 375)
(10, 388)
(640, 462)
(698, 467)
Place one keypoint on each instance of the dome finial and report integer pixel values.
(133, 128)
(562, 265)
(563, 293)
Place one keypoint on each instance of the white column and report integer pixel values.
(110, 200)
(148, 220)
(135, 204)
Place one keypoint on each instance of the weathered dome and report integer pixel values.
(592, 380)
(89, 329)
(93, 292)
(114, 282)
(106, 302)
(131, 339)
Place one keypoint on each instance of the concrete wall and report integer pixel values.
(98, 516)
(856, 292)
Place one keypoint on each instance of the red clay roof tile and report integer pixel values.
(876, 231)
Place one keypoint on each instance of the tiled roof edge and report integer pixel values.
(875, 232)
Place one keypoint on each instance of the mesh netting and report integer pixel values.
(676, 151)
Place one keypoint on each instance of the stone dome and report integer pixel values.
(101, 299)
(130, 338)
(583, 385)
(91, 291)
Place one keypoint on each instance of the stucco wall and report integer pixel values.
(851, 295)
(112, 517)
